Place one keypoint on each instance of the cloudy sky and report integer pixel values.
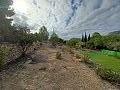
(69, 18)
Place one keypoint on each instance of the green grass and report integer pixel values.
(106, 61)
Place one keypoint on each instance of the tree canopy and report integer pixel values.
(5, 23)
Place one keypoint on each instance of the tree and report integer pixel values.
(25, 41)
(112, 42)
(5, 23)
(74, 42)
(85, 38)
(89, 37)
(82, 38)
(43, 34)
(96, 41)
(96, 34)
(54, 39)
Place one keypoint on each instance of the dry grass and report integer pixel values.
(78, 56)
(85, 58)
(58, 55)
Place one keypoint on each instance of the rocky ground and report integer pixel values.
(45, 72)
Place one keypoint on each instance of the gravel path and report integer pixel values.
(47, 73)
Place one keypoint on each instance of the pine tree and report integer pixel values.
(5, 24)
(43, 33)
(54, 39)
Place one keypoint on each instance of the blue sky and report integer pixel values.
(69, 18)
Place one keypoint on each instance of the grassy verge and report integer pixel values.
(108, 62)
(107, 67)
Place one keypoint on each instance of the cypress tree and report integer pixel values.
(85, 39)
(89, 37)
(82, 38)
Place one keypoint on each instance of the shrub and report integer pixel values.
(68, 49)
(108, 74)
(78, 56)
(71, 51)
(85, 58)
(58, 55)
(3, 52)
(25, 42)
(74, 42)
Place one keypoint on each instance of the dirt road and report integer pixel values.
(48, 73)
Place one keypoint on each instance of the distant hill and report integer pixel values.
(114, 33)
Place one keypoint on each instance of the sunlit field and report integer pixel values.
(107, 61)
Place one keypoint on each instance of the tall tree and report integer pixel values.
(96, 40)
(85, 39)
(5, 23)
(43, 34)
(89, 37)
(54, 39)
(82, 38)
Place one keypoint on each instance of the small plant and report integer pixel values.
(70, 50)
(78, 56)
(3, 53)
(58, 55)
(43, 68)
(25, 42)
(85, 58)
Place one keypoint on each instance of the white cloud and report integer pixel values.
(72, 17)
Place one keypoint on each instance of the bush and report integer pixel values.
(3, 53)
(108, 74)
(85, 58)
(58, 55)
(68, 49)
(104, 73)
(78, 56)
(74, 43)
(25, 42)
(71, 51)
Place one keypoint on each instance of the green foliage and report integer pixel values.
(96, 41)
(78, 56)
(25, 42)
(85, 38)
(89, 37)
(82, 38)
(5, 25)
(108, 74)
(112, 42)
(26, 39)
(107, 67)
(109, 62)
(85, 58)
(111, 53)
(43, 34)
(74, 42)
(3, 53)
(54, 39)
